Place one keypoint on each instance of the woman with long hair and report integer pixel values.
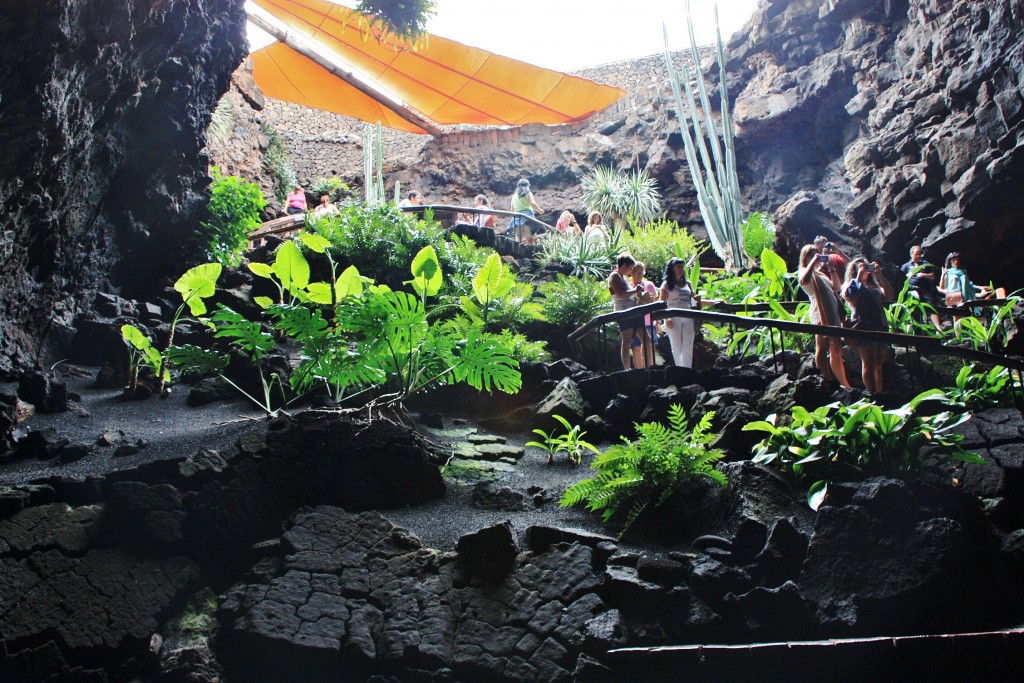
(677, 292)
(865, 289)
(819, 280)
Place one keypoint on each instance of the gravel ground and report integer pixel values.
(170, 428)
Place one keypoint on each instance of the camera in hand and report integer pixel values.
(868, 267)
(822, 258)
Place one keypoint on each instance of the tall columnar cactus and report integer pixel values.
(714, 171)
(373, 164)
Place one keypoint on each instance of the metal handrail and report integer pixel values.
(420, 208)
(659, 310)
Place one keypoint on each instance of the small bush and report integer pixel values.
(634, 474)
(657, 242)
(852, 442)
(758, 234)
(378, 240)
(234, 209)
(572, 301)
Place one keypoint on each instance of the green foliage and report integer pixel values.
(571, 442)
(860, 440)
(988, 336)
(618, 195)
(758, 234)
(405, 19)
(332, 187)
(976, 390)
(714, 172)
(762, 340)
(573, 301)
(655, 243)
(521, 349)
(195, 285)
(278, 161)
(909, 315)
(378, 240)
(584, 256)
(234, 210)
(461, 258)
(634, 474)
(376, 339)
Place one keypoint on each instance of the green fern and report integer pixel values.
(633, 474)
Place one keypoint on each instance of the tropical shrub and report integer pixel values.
(377, 340)
(332, 187)
(222, 122)
(991, 335)
(573, 301)
(498, 300)
(909, 315)
(234, 209)
(583, 256)
(977, 390)
(655, 243)
(195, 285)
(379, 240)
(860, 440)
(634, 474)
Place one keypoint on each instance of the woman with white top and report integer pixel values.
(677, 292)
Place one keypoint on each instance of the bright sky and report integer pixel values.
(566, 35)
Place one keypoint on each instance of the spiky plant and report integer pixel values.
(222, 123)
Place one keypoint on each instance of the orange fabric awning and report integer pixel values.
(284, 74)
(445, 81)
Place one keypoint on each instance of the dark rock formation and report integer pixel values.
(105, 107)
(889, 123)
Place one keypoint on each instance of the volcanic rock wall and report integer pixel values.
(893, 122)
(103, 109)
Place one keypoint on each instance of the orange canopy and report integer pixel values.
(284, 74)
(445, 81)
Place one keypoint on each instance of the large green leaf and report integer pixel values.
(493, 280)
(141, 343)
(291, 268)
(426, 272)
(194, 360)
(315, 242)
(263, 270)
(482, 363)
(198, 283)
(245, 334)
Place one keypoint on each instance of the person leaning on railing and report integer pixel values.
(624, 296)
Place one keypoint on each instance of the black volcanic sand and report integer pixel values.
(170, 428)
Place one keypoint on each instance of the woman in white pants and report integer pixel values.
(676, 292)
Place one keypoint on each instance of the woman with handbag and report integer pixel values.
(677, 292)
(865, 289)
(819, 280)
